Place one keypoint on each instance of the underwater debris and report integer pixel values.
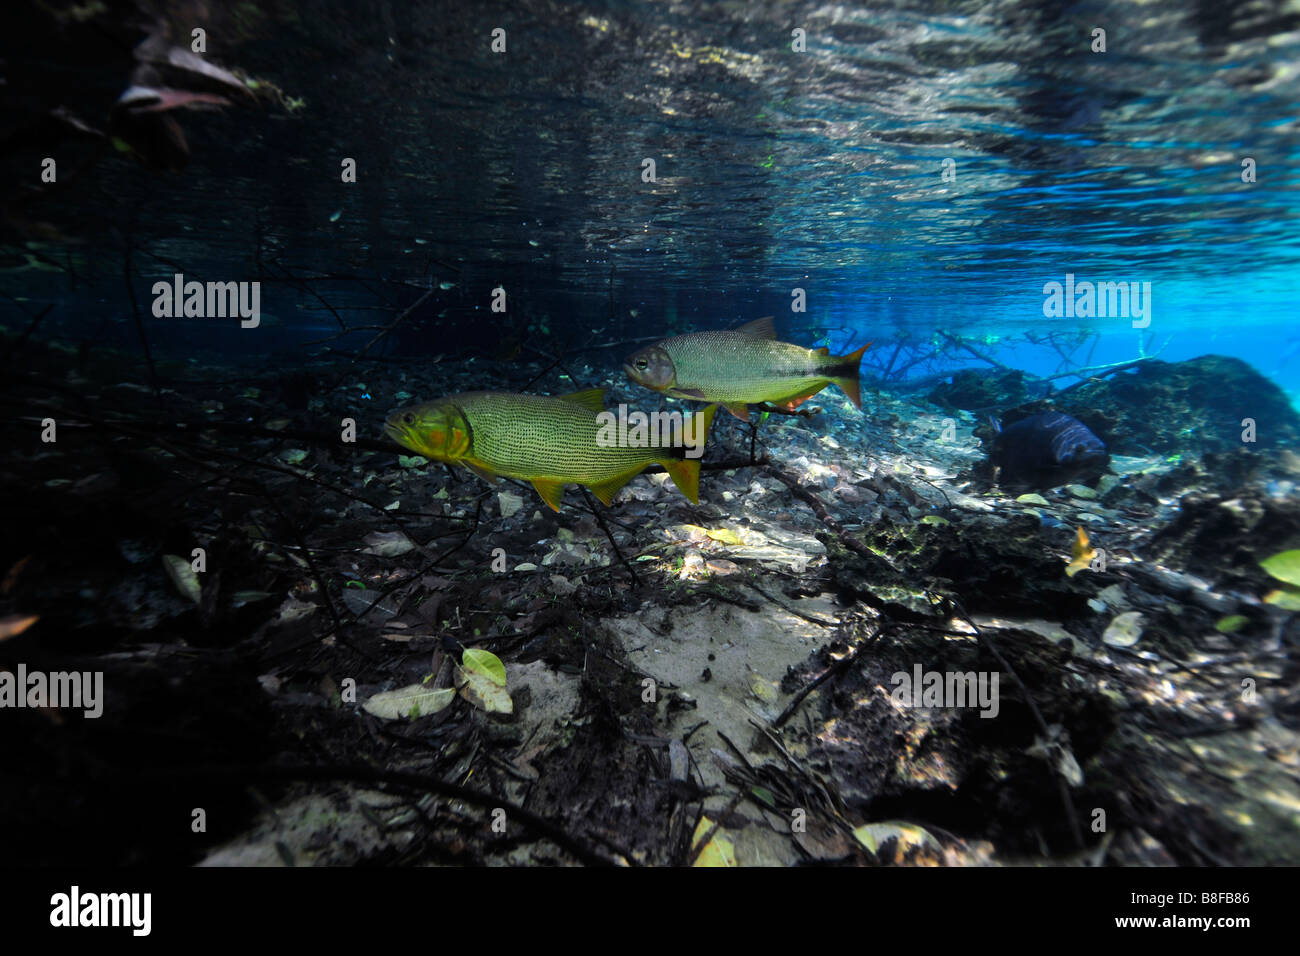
(11, 625)
(717, 848)
(1286, 568)
(182, 574)
(410, 702)
(481, 680)
(1124, 630)
(1081, 554)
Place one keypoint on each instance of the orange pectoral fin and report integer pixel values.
(552, 492)
(790, 404)
(741, 411)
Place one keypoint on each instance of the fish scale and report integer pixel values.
(526, 435)
(550, 441)
(746, 366)
(741, 367)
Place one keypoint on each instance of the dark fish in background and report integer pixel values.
(1046, 449)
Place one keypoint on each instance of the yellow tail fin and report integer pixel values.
(685, 472)
(846, 375)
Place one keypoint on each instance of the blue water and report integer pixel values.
(775, 170)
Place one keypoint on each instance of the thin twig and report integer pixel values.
(1062, 784)
(600, 519)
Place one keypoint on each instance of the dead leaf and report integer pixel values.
(15, 624)
(483, 692)
(873, 836)
(182, 575)
(415, 700)
(719, 851)
(11, 576)
(388, 544)
(1081, 554)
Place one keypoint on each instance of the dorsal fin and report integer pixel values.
(763, 328)
(590, 398)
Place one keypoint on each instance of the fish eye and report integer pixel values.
(409, 418)
(642, 364)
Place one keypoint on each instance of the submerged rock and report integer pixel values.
(1195, 407)
(981, 389)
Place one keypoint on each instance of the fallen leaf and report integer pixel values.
(11, 576)
(483, 692)
(719, 851)
(1081, 554)
(1287, 598)
(388, 544)
(182, 575)
(1285, 566)
(15, 624)
(478, 661)
(875, 835)
(1124, 630)
(364, 602)
(725, 536)
(415, 700)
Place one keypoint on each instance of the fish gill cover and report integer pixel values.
(240, 239)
